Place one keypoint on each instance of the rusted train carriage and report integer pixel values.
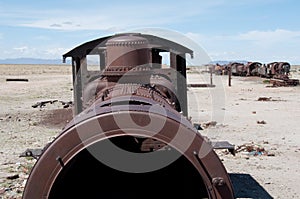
(268, 70)
(254, 69)
(278, 68)
(130, 137)
(237, 69)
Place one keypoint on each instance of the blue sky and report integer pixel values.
(253, 30)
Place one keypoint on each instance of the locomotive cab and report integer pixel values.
(98, 48)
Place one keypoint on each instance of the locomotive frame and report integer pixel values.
(139, 109)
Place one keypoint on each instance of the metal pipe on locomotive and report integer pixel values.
(130, 137)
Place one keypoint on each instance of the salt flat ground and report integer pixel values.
(21, 125)
(236, 111)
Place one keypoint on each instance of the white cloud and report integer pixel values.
(90, 17)
(55, 52)
(47, 52)
(275, 36)
(118, 21)
(21, 49)
(264, 46)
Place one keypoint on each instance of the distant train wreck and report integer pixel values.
(277, 72)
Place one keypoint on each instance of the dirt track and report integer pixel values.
(258, 176)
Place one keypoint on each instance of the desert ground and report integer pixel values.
(234, 114)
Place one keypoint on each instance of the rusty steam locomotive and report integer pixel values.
(130, 136)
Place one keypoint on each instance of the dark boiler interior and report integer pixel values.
(87, 177)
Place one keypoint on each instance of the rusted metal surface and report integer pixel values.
(35, 153)
(224, 145)
(135, 115)
(278, 68)
(200, 85)
(219, 69)
(253, 68)
(238, 69)
(16, 80)
(278, 72)
(284, 82)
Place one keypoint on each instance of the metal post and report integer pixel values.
(229, 76)
(181, 83)
(211, 80)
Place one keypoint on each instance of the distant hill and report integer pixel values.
(32, 61)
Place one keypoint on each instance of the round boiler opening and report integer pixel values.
(85, 176)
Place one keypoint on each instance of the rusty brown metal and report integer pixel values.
(253, 68)
(238, 69)
(132, 134)
(69, 144)
(229, 75)
(277, 72)
(279, 68)
(284, 80)
(220, 69)
(127, 50)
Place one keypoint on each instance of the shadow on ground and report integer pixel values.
(245, 186)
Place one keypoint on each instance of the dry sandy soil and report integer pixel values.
(231, 113)
(21, 125)
(244, 120)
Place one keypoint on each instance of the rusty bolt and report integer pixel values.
(218, 181)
